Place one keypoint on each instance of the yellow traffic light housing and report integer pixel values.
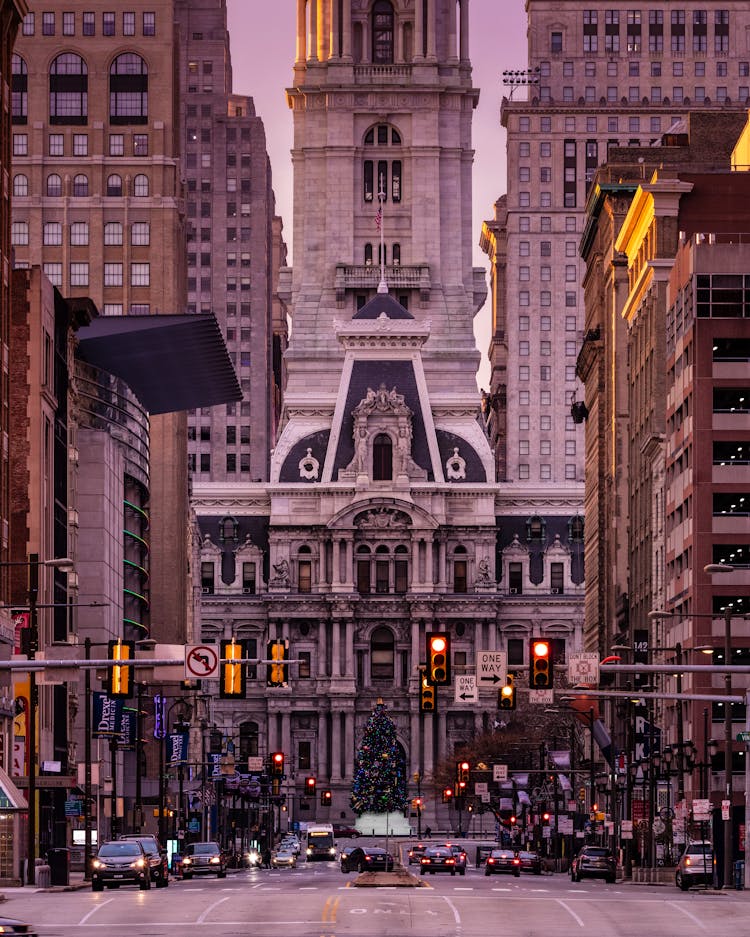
(233, 683)
(278, 668)
(462, 772)
(438, 658)
(119, 680)
(427, 696)
(540, 664)
(506, 695)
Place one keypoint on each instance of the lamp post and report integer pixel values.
(31, 642)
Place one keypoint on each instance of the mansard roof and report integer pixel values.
(382, 304)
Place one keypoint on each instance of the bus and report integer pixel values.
(320, 844)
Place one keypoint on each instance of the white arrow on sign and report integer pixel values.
(492, 667)
(466, 688)
(201, 661)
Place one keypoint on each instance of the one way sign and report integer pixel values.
(466, 688)
(492, 668)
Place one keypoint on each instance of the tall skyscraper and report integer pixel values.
(380, 522)
(234, 248)
(98, 205)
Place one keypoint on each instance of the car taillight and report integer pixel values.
(490, 862)
(516, 862)
(687, 861)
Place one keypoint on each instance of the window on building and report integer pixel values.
(79, 274)
(140, 186)
(113, 273)
(80, 144)
(382, 458)
(114, 185)
(556, 575)
(128, 24)
(363, 570)
(19, 233)
(52, 234)
(27, 27)
(515, 578)
(113, 233)
(79, 233)
(68, 90)
(460, 570)
(80, 185)
(19, 88)
(149, 24)
(48, 24)
(140, 234)
(20, 185)
(304, 575)
(128, 90)
(140, 274)
(382, 654)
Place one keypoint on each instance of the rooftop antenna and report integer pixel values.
(382, 286)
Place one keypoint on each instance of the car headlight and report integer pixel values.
(97, 864)
(187, 860)
(309, 851)
(215, 860)
(332, 850)
(138, 864)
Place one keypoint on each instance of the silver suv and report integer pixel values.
(696, 866)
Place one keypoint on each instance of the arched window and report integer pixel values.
(382, 654)
(304, 570)
(20, 89)
(575, 528)
(20, 185)
(80, 185)
(396, 255)
(382, 458)
(368, 255)
(54, 185)
(68, 90)
(460, 570)
(401, 570)
(382, 175)
(228, 529)
(128, 90)
(363, 570)
(382, 33)
(140, 186)
(382, 570)
(248, 741)
(114, 185)
(535, 528)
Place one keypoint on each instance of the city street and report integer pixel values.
(315, 900)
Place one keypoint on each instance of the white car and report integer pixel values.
(284, 858)
(291, 842)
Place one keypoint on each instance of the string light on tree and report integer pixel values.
(380, 777)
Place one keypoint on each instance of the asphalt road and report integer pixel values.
(317, 900)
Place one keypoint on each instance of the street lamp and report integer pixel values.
(31, 642)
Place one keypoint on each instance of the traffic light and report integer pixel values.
(232, 684)
(462, 772)
(310, 787)
(427, 696)
(277, 764)
(545, 817)
(540, 664)
(506, 695)
(447, 795)
(278, 670)
(325, 798)
(438, 658)
(119, 676)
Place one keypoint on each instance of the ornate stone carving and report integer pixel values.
(382, 519)
(309, 466)
(455, 467)
(281, 574)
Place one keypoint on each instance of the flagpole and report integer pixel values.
(382, 286)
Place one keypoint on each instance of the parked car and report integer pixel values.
(695, 866)
(459, 854)
(594, 862)
(343, 830)
(415, 853)
(367, 859)
(203, 859)
(284, 858)
(120, 862)
(502, 860)
(290, 841)
(530, 862)
(9, 925)
(157, 857)
(437, 859)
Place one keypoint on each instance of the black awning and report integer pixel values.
(170, 362)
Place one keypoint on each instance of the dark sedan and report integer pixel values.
(415, 854)
(438, 859)
(594, 862)
(203, 859)
(9, 925)
(366, 859)
(502, 860)
(530, 862)
(459, 854)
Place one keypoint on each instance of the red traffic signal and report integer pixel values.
(462, 771)
(447, 795)
(438, 658)
(277, 764)
(310, 786)
(540, 664)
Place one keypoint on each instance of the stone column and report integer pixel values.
(464, 37)
(301, 52)
(336, 649)
(313, 44)
(322, 645)
(334, 51)
(419, 31)
(336, 746)
(349, 744)
(428, 576)
(431, 29)
(350, 668)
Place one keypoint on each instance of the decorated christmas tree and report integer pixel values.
(379, 778)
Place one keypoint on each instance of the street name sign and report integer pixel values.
(492, 668)
(465, 685)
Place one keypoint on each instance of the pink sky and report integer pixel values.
(262, 59)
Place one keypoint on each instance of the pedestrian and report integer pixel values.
(428, 831)
(266, 857)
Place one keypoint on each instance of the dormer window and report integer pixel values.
(228, 529)
(382, 458)
(535, 528)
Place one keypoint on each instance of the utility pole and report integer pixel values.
(87, 764)
(33, 645)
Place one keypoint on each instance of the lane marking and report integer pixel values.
(693, 918)
(94, 910)
(570, 911)
(210, 908)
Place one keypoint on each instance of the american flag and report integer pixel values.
(379, 217)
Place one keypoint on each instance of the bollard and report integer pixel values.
(43, 876)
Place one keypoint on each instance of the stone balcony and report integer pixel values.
(367, 277)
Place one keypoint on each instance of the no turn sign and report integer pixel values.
(201, 662)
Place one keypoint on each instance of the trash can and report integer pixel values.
(58, 860)
(739, 875)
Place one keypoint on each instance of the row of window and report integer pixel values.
(69, 87)
(545, 447)
(545, 471)
(545, 420)
(140, 274)
(79, 187)
(635, 95)
(204, 434)
(202, 462)
(655, 69)
(78, 232)
(87, 24)
(79, 145)
(545, 347)
(231, 284)
(545, 373)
